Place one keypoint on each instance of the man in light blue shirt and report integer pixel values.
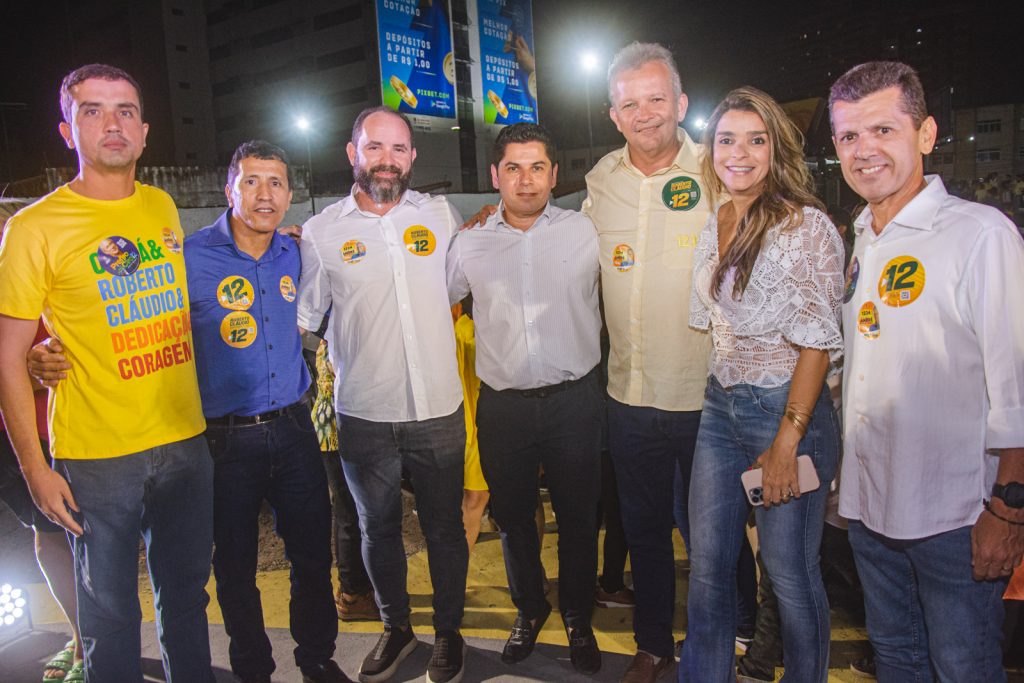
(533, 271)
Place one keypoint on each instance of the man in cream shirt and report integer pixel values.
(649, 204)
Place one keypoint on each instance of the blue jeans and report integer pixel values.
(562, 433)
(737, 426)
(746, 567)
(166, 495)
(433, 452)
(648, 445)
(277, 461)
(928, 619)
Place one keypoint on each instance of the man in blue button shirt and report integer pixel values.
(242, 277)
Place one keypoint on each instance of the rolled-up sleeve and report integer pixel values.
(993, 298)
(314, 284)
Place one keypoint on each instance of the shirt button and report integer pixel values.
(266, 319)
(860, 377)
(273, 403)
(273, 375)
(270, 347)
(263, 291)
(529, 322)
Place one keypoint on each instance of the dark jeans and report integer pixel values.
(432, 451)
(647, 446)
(615, 549)
(276, 461)
(348, 541)
(928, 619)
(765, 652)
(166, 495)
(561, 432)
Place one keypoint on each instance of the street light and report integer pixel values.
(589, 62)
(302, 123)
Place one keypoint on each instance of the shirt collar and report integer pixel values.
(919, 213)
(498, 218)
(687, 159)
(221, 235)
(349, 204)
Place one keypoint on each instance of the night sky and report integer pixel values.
(718, 45)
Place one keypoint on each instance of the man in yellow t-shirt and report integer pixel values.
(100, 260)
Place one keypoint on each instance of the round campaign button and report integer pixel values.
(622, 257)
(681, 193)
(238, 329)
(287, 288)
(901, 281)
(118, 256)
(419, 240)
(852, 275)
(867, 321)
(171, 240)
(353, 251)
(235, 292)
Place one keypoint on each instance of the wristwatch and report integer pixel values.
(1012, 494)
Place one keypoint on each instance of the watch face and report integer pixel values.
(1013, 494)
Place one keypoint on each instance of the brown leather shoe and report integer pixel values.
(356, 607)
(643, 669)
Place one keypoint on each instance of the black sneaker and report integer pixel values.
(448, 660)
(583, 651)
(523, 637)
(864, 667)
(394, 645)
(328, 672)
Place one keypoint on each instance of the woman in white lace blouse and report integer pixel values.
(768, 282)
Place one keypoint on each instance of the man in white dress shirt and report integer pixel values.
(378, 258)
(533, 270)
(933, 472)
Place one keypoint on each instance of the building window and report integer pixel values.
(184, 85)
(220, 52)
(327, 19)
(180, 48)
(990, 126)
(349, 55)
(226, 87)
(274, 35)
(187, 120)
(988, 154)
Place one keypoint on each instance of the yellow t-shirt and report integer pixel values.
(108, 278)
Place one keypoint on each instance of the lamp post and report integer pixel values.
(302, 123)
(588, 60)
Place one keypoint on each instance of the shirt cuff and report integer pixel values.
(309, 320)
(1005, 428)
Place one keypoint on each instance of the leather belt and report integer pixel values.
(249, 420)
(544, 392)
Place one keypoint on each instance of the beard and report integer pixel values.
(380, 190)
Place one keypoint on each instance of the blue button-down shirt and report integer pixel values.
(248, 349)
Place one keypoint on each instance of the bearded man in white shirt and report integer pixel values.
(377, 259)
(933, 473)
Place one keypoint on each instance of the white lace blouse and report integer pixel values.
(792, 301)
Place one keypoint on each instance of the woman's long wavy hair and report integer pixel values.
(785, 191)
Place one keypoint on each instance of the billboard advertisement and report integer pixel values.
(507, 63)
(417, 65)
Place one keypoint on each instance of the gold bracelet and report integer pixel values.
(799, 408)
(797, 421)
